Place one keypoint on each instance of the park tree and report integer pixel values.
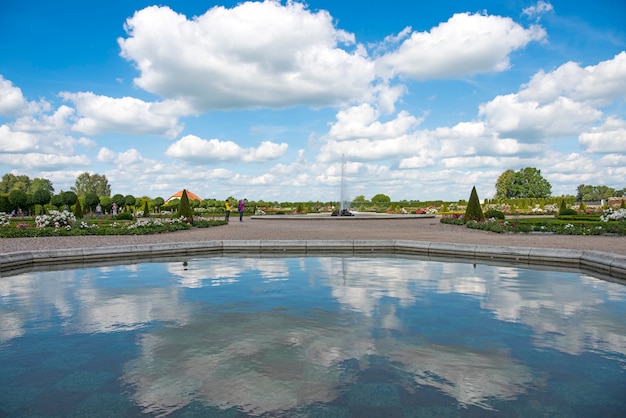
(57, 200)
(473, 212)
(129, 200)
(526, 183)
(157, 202)
(42, 197)
(18, 198)
(381, 198)
(119, 200)
(95, 183)
(146, 210)
(91, 200)
(503, 184)
(12, 182)
(69, 198)
(594, 193)
(40, 184)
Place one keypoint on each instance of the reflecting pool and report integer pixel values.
(311, 336)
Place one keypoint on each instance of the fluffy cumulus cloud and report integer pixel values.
(198, 150)
(608, 138)
(100, 114)
(11, 99)
(257, 54)
(464, 45)
(595, 85)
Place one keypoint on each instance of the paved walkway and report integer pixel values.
(418, 229)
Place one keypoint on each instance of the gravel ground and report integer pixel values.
(418, 229)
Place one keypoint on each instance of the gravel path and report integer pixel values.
(418, 229)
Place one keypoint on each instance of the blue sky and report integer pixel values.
(262, 99)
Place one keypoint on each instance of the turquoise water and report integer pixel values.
(311, 337)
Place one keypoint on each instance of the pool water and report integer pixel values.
(311, 337)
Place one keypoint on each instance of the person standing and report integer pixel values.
(228, 208)
(241, 206)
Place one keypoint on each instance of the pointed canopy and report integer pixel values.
(179, 194)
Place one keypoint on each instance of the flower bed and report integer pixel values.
(64, 224)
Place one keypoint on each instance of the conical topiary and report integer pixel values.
(184, 209)
(146, 211)
(563, 207)
(473, 212)
(78, 210)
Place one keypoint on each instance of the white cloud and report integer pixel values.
(466, 44)
(605, 139)
(531, 121)
(362, 121)
(257, 54)
(194, 149)
(596, 85)
(538, 10)
(12, 101)
(105, 155)
(101, 114)
(40, 161)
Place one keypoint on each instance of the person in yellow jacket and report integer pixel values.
(228, 207)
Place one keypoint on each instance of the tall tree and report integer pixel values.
(12, 182)
(40, 184)
(41, 197)
(503, 184)
(589, 192)
(95, 183)
(526, 183)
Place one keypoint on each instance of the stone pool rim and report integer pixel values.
(611, 266)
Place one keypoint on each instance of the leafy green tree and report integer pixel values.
(57, 201)
(504, 183)
(91, 200)
(359, 200)
(95, 183)
(594, 193)
(69, 198)
(40, 184)
(18, 198)
(105, 202)
(381, 198)
(525, 183)
(42, 197)
(157, 202)
(473, 212)
(129, 200)
(12, 182)
(119, 200)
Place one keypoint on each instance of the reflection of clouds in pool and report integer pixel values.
(122, 312)
(224, 271)
(569, 315)
(266, 362)
(36, 299)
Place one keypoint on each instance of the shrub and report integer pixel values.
(124, 216)
(146, 212)
(494, 213)
(473, 212)
(567, 212)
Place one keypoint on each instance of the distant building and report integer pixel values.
(179, 194)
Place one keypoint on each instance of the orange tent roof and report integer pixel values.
(190, 196)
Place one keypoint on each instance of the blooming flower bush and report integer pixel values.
(613, 215)
(5, 219)
(56, 219)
